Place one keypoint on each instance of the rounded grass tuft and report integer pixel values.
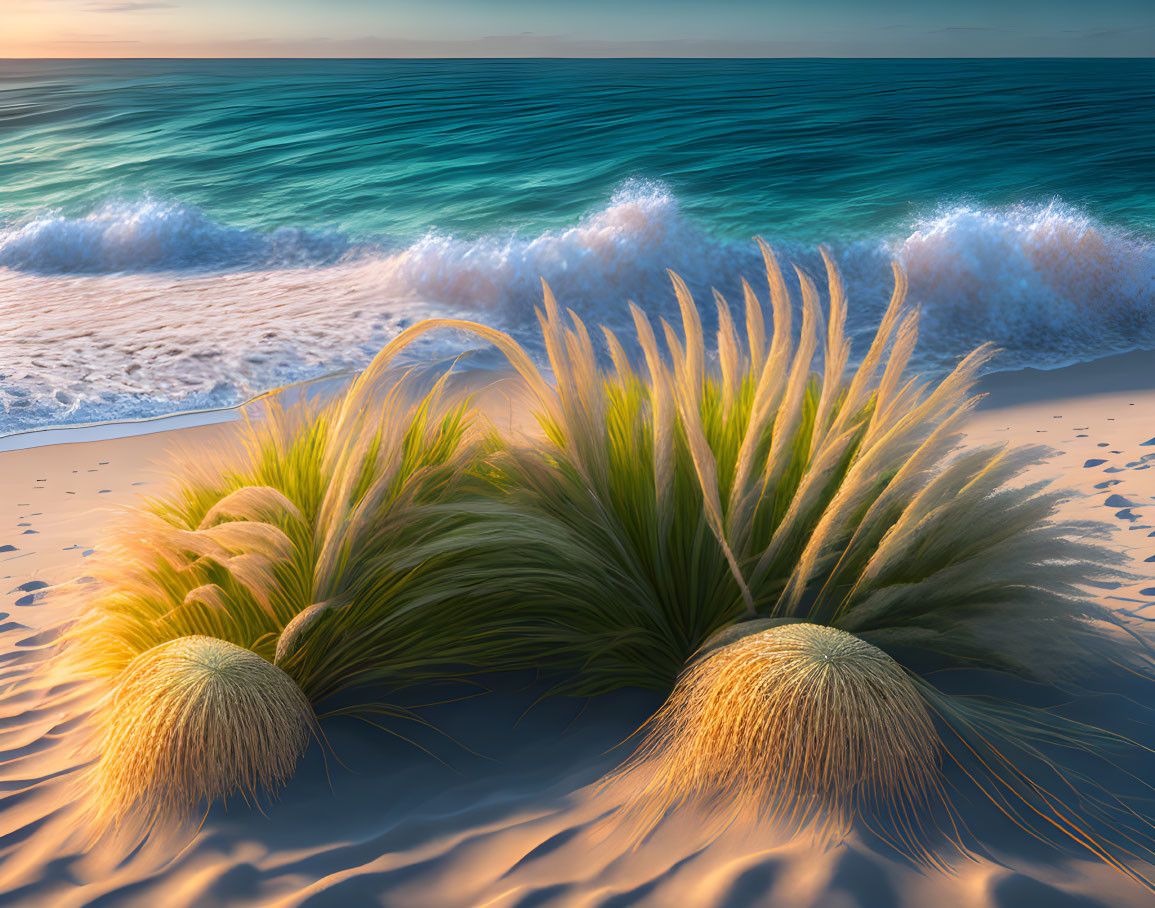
(192, 721)
(801, 723)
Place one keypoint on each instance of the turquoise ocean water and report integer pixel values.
(183, 234)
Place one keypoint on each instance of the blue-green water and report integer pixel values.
(356, 195)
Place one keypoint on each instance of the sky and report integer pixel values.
(576, 28)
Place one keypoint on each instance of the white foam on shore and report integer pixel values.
(147, 309)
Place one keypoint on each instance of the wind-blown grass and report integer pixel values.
(665, 505)
(329, 547)
(323, 545)
(377, 542)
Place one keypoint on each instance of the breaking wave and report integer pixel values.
(227, 311)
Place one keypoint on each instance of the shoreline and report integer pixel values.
(1114, 372)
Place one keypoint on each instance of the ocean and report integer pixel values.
(182, 235)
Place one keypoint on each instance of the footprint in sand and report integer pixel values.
(1093, 462)
(32, 586)
(1118, 501)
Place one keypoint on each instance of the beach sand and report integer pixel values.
(514, 824)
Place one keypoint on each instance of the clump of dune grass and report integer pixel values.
(741, 483)
(812, 729)
(797, 723)
(192, 721)
(724, 483)
(330, 548)
(323, 544)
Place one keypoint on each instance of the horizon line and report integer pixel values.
(8, 59)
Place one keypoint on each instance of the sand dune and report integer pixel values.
(510, 818)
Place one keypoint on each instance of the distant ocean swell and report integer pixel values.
(181, 312)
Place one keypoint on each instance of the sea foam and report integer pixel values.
(154, 235)
(150, 307)
(1047, 283)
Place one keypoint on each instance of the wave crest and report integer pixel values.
(617, 253)
(1047, 283)
(155, 235)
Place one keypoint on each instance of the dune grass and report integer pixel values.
(801, 725)
(193, 721)
(323, 545)
(328, 546)
(740, 483)
(812, 730)
(735, 482)
(731, 501)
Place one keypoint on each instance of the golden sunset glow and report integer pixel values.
(519, 28)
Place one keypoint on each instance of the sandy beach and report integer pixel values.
(509, 818)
